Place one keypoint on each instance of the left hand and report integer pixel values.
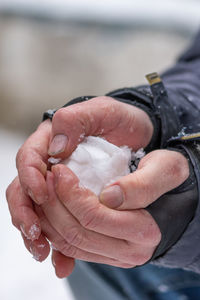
(102, 116)
(22, 208)
(123, 237)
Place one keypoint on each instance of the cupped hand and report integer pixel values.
(117, 122)
(123, 237)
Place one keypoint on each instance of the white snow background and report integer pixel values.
(21, 277)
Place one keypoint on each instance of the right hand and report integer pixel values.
(119, 123)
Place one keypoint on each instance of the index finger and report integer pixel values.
(31, 162)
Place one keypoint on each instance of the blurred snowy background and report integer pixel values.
(53, 50)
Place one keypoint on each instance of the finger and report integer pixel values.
(22, 212)
(77, 236)
(31, 163)
(136, 226)
(39, 248)
(63, 265)
(71, 251)
(158, 172)
(111, 120)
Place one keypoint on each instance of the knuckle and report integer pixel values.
(154, 235)
(180, 168)
(19, 156)
(8, 191)
(60, 114)
(13, 187)
(150, 234)
(144, 189)
(176, 164)
(73, 236)
(69, 250)
(102, 98)
(137, 259)
(142, 259)
(90, 219)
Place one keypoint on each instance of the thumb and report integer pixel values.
(119, 123)
(158, 172)
(71, 124)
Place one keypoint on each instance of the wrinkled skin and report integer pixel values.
(73, 219)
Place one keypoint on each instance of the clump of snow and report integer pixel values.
(98, 163)
(138, 155)
(54, 161)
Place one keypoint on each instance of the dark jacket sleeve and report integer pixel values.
(182, 82)
(174, 109)
(176, 112)
(185, 252)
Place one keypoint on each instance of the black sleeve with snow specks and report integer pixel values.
(176, 109)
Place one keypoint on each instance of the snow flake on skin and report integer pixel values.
(37, 256)
(81, 137)
(54, 161)
(101, 131)
(41, 246)
(33, 231)
(53, 247)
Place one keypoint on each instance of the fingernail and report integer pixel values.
(22, 228)
(58, 144)
(39, 200)
(30, 193)
(53, 262)
(33, 233)
(112, 196)
(35, 253)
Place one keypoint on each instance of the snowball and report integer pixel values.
(98, 163)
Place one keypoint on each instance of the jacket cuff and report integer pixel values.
(155, 102)
(185, 252)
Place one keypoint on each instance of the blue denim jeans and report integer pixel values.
(91, 281)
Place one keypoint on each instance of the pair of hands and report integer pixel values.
(49, 205)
